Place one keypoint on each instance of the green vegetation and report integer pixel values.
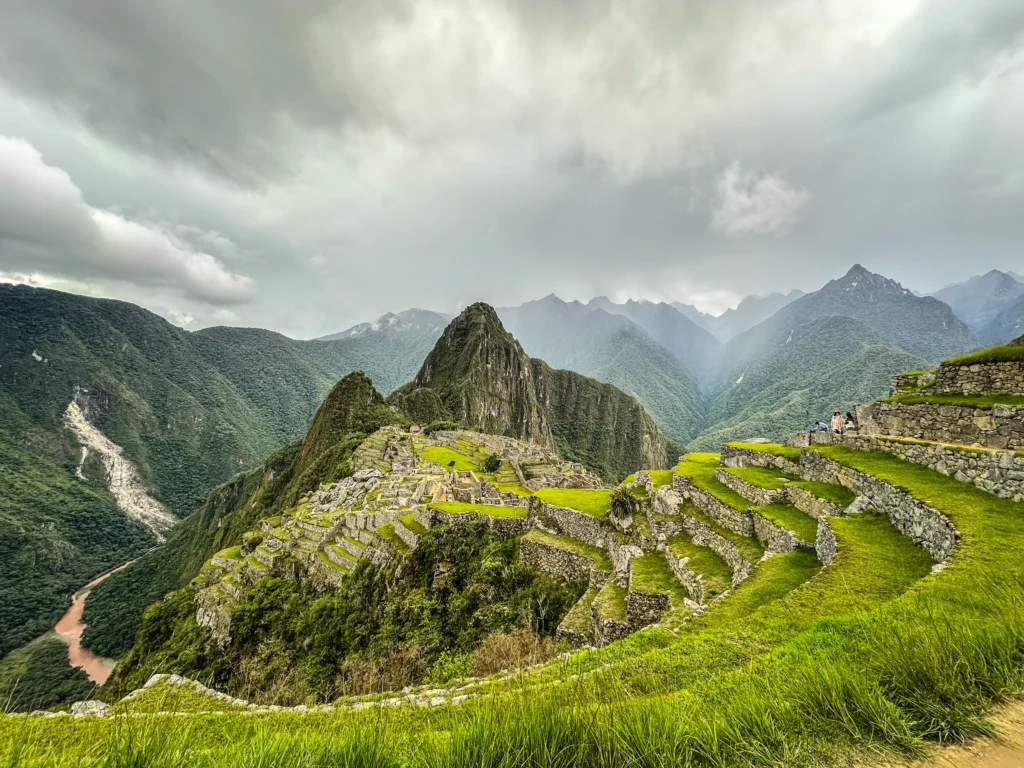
(491, 464)
(1009, 353)
(751, 549)
(704, 561)
(458, 507)
(445, 456)
(410, 522)
(701, 468)
(785, 451)
(383, 629)
(578, 617)
(837, 494)
(611, 601)
(387, 532)
(593, 503)
(984, 402)
(598, 556)
(38, 676)
(762, 477)
(792, 519)
(651, 575)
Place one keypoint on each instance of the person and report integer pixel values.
(851, 423)
(837, 422)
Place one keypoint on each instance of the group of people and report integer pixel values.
(839, 423)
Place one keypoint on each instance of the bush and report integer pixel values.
(510, 650)
(492, 464)
(448, 667)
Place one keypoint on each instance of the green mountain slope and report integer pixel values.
(352, 410)
(613, 349)
(482, 378)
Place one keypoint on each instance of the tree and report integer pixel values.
(492, 464)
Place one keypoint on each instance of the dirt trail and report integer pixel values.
(1006, 751)
(70, 628)
(123, 479)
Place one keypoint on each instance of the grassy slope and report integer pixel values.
(852, 660)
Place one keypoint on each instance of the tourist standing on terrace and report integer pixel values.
(837, 422)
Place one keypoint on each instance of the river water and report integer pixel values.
(70, 628)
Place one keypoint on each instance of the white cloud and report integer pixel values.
(47, 227)
(749, 203)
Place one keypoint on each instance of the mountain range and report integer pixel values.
(991, 304)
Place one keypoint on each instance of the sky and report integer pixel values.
(307, 166)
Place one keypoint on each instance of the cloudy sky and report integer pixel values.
(306, 166)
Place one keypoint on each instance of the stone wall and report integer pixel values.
(927, 527)
(752, 493)
(212, 613)
(746, 457)
(810, 504)
(825, 545)
(643, 609)
(607, 630)
(703, 536)
(411, 538)
(901, 383)
(735, 520)
(693, 581)
(1000, 426)
(774, 538)
(560, 562)
(622, 555)
(998, 472)
(979, 379)
(574, 523)
(503, 527)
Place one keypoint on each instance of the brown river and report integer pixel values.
(70, 628)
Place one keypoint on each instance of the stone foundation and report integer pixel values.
(810, 504)
(555, 560)
(927, 527)
(736, 521)
(979, 379)
(571, 522)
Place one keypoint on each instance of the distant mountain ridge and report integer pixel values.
(981, 299)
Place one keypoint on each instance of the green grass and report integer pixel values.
(231, 553)
(387, 532)
(175, 698)
(459, 508)
(792, 519)
(837, 494)
(984, 402)
(762, 477)
(701, 468)
(751, 549)
(785, 451)
(1003, 354)
(410, 522)
(578, 617)
(651, 575)
(593, 503)
(611, 601)
(443, 456)
(602, 561)
(704, 561)
(323, 558)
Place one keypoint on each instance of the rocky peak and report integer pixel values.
(863, 281)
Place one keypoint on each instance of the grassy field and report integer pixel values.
(593, 503)
(459, 508)
(798, 666)
(444, 456)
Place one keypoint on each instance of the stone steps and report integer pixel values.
(339, 556)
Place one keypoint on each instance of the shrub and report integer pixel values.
(510, 650)
(492, 464)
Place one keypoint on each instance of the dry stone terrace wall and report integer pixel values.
(979, 379)
(825, 545)
(927, 527)
(643, 609)
(735, 520)
(733, 456)
(774, 538)
(810, 504)
(998, 472)
(574, 523)
(753, 493)
(691, 580)
(1000, 427)
(703, 536)
(551, 559)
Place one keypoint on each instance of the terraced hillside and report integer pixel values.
(771, 605)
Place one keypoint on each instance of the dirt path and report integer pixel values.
(70, 628)
(1006, 751)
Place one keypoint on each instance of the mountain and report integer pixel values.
(1006, 325)
(982, 298)
(748, 313)
(613, 349)
(393, 346)
(698, 318)
(687, 341)
(825, 351)
(482, 378)
(187, 409)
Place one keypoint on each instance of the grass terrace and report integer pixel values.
(701, 468)
(611, 601)
(578, 617)
(444, 456)
(387, 532)
(601, 559)
(651, 575)
(593, 503)
(837, 494)
(410, 522)
(751, 549)
(762, 477)
(983, 402)
(792, 519)
(1008, 353)
(461, 508)
(785, 451)
(706, 562)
